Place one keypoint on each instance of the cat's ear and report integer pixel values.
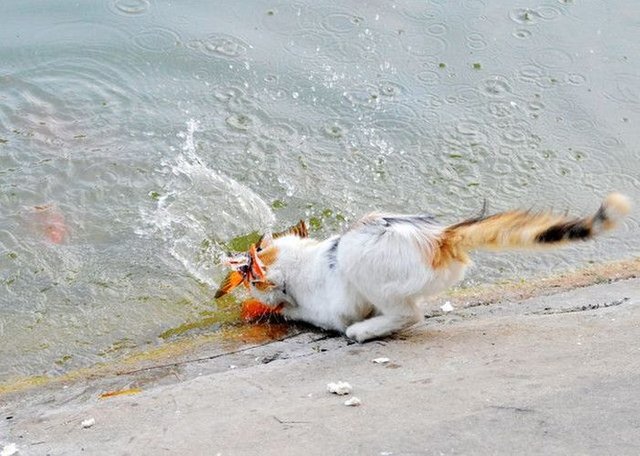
(265, 241)
(265, 250)
(300, 230)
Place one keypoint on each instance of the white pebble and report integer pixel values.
(381, 360)
(353, 402)
(88, 423)
(339, 388)
(446, 307)
(9, 450)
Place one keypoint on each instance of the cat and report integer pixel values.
(367, 282)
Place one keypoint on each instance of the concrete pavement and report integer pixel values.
(553, 375)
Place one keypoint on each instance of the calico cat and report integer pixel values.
(368, 282)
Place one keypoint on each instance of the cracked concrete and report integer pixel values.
(556, 374)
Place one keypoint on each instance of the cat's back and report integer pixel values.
(380, 238)
(376, 225)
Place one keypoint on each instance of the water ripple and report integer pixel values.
(49, 103)
(437, 29)
(624, 88)
(429, 77)
(522, 34)
(157, 39)
(364, 96)
(497, 87)
(129, 7)
(476, 41)
(422, 45)
(220, 45)
(553, 58)
(342, 23)
(286, 18)
(524, 16)
(309, 44)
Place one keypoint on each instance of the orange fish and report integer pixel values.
(255, 265)
(249, 269)
(232, 280)
(252, 309)
(52, 222)
(246, 271)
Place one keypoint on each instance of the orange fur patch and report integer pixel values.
(508, 230)
(268, 256)
(300, 230)
(448, 250)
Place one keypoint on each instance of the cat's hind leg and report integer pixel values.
(402, 317)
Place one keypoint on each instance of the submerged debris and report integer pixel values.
(339, 388)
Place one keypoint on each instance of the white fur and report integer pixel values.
(381, 272)
(382, 267)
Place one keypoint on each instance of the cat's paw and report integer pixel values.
(358, 333)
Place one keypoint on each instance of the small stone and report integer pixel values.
(446, 307)
(381, 360)
(86, 424)
(353, 402)
(339, 388)
(9, 450)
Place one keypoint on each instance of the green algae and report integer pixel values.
(227, 313)
(207, 323)
(242, 243)
(63, 360)
(315, 223)
(325, 218)
(120, 345)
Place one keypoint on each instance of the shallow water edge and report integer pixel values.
(167, 362)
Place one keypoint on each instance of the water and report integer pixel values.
(139, 136)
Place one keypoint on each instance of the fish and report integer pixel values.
(252, 310)
(52, 223)
(247, 269)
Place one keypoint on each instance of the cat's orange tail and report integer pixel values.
(525, 229)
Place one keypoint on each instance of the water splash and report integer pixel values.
(200, 209)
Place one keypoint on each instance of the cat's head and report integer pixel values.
(257, 270)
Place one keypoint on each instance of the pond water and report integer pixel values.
(138, 137)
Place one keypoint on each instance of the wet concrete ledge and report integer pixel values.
(215, 352)
(557, 361)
